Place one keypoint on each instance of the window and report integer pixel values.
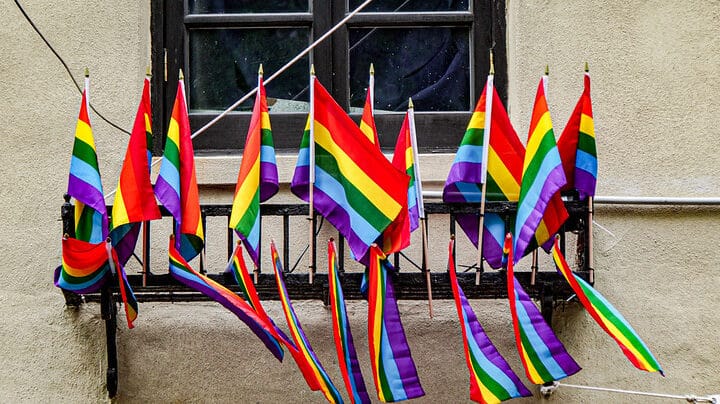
(435, 51)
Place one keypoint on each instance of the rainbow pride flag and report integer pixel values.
(577, 146)
(84, 184)
(367, 122)
(85, 266)
(504, 171)
(134, 199)
(491, 378)
(607, 317)
(404, 160)
(394, 371)
(185, 274)
(347, 355)
(542, 179)
(176, 185)
(542, 354)
(257, 179)
(237, 267)
(355, 188)
(298, 335)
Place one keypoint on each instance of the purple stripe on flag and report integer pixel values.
(87, 194)
(168, 197)
(464, 172)
(268, 180)
(398, 343)
(533, 210)
(492, 235)
(585, 183)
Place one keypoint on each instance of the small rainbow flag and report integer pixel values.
(367, 122)
(542, 354)
(257, 179)
(394, 371)
(347, 355)
(504, 170)
(85, 266)
(176, 186)
(84, 184)
(134, 199)
(491, 378)
(237, 267)
(185, 274)
(607, 317)
(542, 179)
(577, 146)
(322, 379)
(355, 188)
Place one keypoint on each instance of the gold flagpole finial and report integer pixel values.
(492, 63)
(372, 69)
(312, 69)
(181, 76)
(410, 103)
(87, 72)
(587, 68)
(547, 70)
(148, 71)
(260, 70)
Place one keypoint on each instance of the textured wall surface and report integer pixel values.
(656, 90)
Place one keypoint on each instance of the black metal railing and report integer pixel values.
(155, 284)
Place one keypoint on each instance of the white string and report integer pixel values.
(604, 229)
(688, 397)
(269, 79)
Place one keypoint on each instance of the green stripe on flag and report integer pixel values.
(356, 199)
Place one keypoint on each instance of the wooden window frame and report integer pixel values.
(170, 24)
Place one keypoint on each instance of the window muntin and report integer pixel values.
(246, 6)
(338, 66)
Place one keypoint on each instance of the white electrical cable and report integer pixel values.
(269, 79)
(548, 390)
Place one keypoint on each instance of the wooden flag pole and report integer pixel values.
(420, 203)
(533, 267)
(591, 257)
(486, 145)
(311, 185)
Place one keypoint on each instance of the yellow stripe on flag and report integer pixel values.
(349, 169)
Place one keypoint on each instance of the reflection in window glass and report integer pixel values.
(411, 5)
(431, 65)
(247, 6)
(224, 65)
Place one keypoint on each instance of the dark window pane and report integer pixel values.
(411, 5)
(431, 65)
(247, 6)
(224, 65)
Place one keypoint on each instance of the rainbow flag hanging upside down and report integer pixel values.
(491, 378)
(542, 354)
(356, 188)
(347, 355)
(237, 267)
(504, 171)
(541, 211)
(322, 380)
(185, 274)
(134, 199)
(607, 317)
(394, 371)
(577, 146)
(257, 179)
(84, 184)
(176, 185)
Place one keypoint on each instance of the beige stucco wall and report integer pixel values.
(655, 91)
